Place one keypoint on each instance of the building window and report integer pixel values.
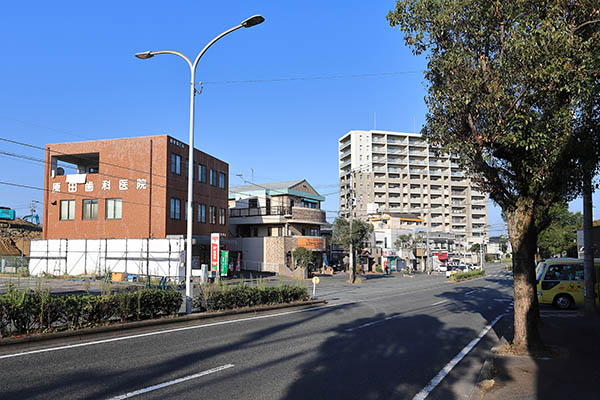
(175, 163)
(201, 173)
(175, 208)
(67, 210)
(212, 214)
(221, 216)
(280, 231)
(314, 232)
(90, 209)
(185, 210)
(269, 231)
(254, 232)
(252, 203)
(309, 204)
(221, 180)
(114, 209)
(187, 167)
(213, 177)
(202, 213)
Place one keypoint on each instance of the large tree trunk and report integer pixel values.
(523, 237)
(589, 272)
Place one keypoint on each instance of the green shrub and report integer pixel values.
(461, 276)
(215, 297)
(26, 311)
(378, 268)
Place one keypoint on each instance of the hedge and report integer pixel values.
(461, 276)
(216, 297)
(28, 311)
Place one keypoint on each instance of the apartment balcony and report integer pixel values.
(345, 154)
(418, 162)
(417, 153)
(345, 144)
(378, 139)
(396, 160)
(393, 150)
(458, 174)
(379, 169)
(418, 143)
(345, 163)
(379, 149)
(458, 194)
(396, 170)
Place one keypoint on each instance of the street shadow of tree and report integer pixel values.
(382, 361)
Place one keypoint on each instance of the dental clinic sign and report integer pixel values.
(73, 181)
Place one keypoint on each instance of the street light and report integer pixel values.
(254, 20)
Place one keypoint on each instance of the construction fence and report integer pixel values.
(148, 257)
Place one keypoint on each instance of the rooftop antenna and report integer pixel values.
(252, 169)
(375, 120)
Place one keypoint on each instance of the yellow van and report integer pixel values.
(560, 282)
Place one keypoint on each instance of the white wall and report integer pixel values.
(160, 257)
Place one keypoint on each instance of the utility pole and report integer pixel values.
(352, 269)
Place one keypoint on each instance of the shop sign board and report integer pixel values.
(214, 251)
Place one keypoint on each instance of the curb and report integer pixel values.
(119, 327)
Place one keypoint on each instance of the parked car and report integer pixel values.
(442, 268)
(476, 267)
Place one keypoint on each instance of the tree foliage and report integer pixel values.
(560, 236)
(514, 91)
(360, 234)
(302, 256)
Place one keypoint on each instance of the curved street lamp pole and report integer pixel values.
(254, 20)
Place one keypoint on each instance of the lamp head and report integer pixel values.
(145, 55)
(253, 20)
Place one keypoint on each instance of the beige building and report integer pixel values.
(384, 172)
(270, 220)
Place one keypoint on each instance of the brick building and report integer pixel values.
(131, 188)
(270, 220)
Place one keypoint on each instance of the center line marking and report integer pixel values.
(468, 293)
(173, 382)
(439, 302)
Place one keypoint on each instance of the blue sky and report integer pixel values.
(68, 73)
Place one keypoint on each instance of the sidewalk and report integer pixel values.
(574, 373)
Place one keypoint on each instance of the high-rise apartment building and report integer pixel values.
(389, 172)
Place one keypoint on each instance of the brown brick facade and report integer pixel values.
(138, 172)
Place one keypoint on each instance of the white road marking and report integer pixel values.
(502, 300)
(71, 346)
(442, 374)
(439, 302)
(468, 293)
(173, 382)
(374, 323)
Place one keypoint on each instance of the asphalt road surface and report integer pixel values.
(385, 338)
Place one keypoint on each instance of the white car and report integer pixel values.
(475, 267)
(443, 268)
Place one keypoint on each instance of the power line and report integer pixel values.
(311, 78)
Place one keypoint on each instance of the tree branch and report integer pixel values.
(584, 24)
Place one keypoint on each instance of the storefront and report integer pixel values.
(389, 258)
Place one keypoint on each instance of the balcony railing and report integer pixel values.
(259, 211)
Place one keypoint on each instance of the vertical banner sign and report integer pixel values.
(224, 262)
(214, 252)
(237, 265)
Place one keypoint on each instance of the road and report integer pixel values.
(384, 338)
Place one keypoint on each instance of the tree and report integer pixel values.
(302, 256)
(513, 92)
(403, 241)
(560, 236)
(344, 236)
(475, 248)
